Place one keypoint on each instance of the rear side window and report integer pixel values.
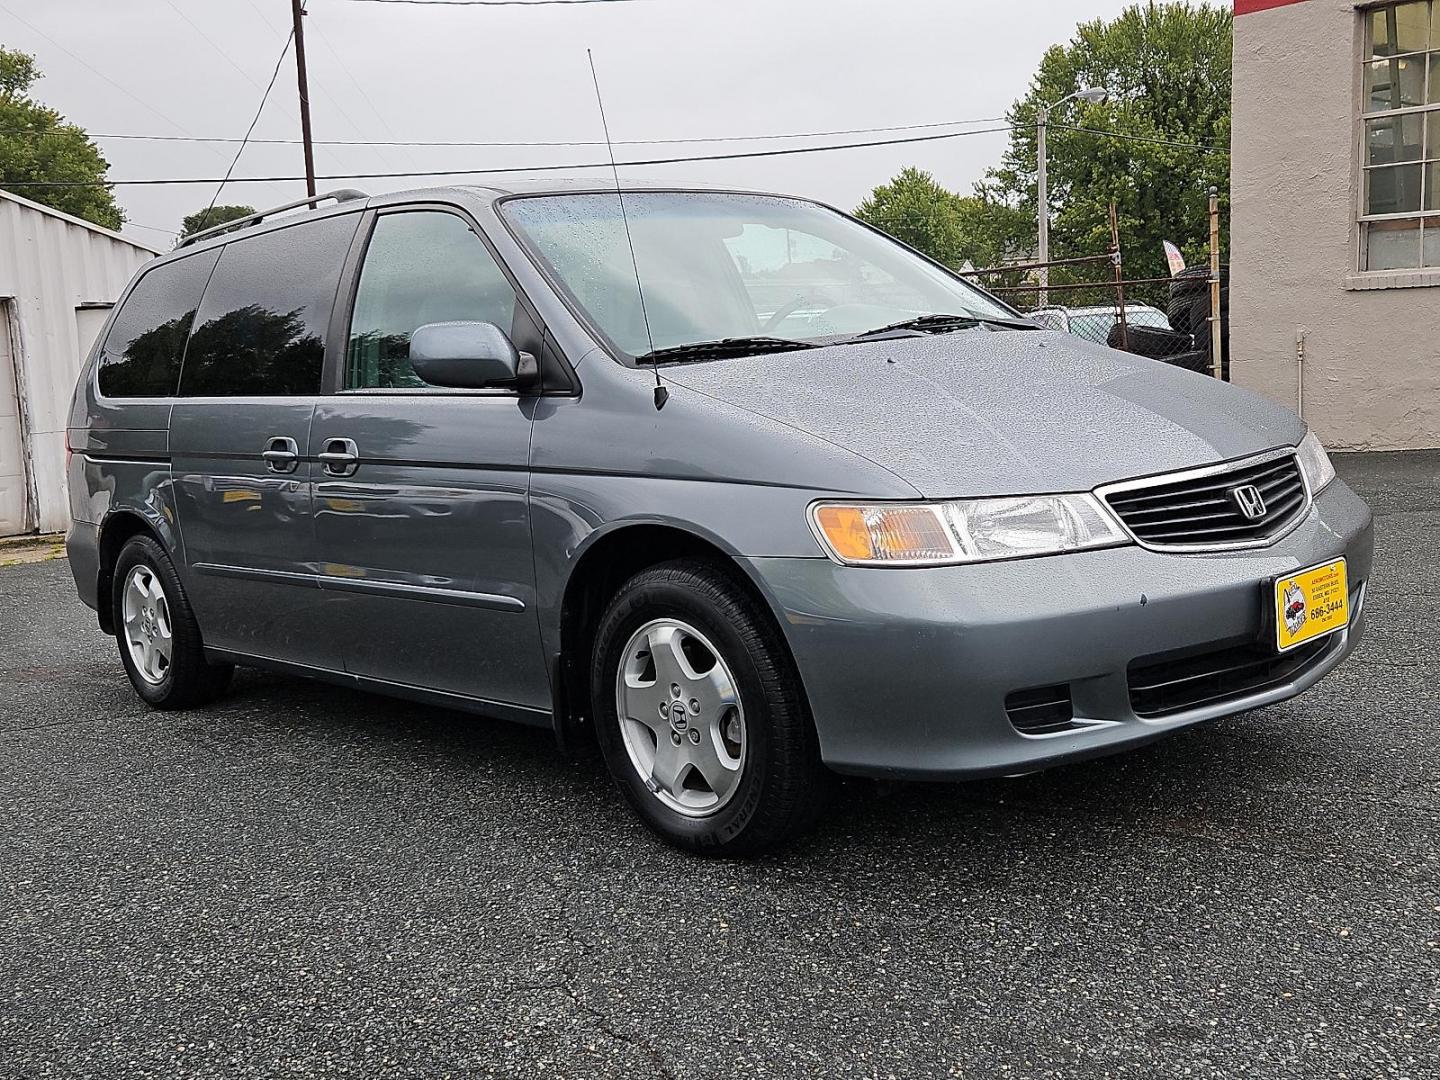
(260, 330)
(141, 354)
(423, 266)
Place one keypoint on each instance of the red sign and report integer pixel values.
(1245, 7)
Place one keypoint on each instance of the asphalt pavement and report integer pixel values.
(307, 881)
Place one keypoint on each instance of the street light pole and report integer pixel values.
(1042, 201)
(1092, 94)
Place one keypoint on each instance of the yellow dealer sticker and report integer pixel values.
(1311, 604)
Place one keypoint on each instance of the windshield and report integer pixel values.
(716, 266)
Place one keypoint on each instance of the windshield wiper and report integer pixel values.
(721, 349)
(943, 324)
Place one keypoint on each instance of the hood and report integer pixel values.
(981, 412)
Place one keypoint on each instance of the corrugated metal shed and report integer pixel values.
(58, 277)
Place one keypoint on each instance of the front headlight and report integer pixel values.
(1314, 463)
(962, 531)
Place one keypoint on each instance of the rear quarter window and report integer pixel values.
(260, 330)
(142, 352)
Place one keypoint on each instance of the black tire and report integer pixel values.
(1195, 360)
(188, 679)
(1154, 342)
(1189, 310)
(782, 784)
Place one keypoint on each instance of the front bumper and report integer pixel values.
(908, 670)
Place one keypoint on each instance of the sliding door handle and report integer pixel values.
(340, 457)
(281, 454)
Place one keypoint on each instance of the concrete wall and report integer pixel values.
(51, 267)
(1372, 353)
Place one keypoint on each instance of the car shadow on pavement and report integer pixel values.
(1198, 785)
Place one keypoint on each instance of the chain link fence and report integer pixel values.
(1166, 319)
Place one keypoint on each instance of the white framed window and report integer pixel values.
(1400, 189)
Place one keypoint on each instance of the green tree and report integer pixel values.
(38, 146)
(215, 215)
(917, 211)
(950, 228)
(1167, 70)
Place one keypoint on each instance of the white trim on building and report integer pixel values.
(58, 277)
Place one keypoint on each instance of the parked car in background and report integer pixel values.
(1094, 323)
(731, 482)
(1147, 332)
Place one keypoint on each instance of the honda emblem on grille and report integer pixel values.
(1249, 501)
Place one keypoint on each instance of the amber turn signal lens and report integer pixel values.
(844, 528)
(897, 534)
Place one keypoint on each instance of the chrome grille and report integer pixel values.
(1205, 508)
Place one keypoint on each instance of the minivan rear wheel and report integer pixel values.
(159, 640)
(700, 713)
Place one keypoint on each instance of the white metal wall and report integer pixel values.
(50, 266)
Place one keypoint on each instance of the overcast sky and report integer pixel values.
(669, 69)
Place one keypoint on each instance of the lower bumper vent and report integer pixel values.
(1165, 687)
(1041, 710)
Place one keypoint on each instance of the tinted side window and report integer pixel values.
(261, 327)
(141, 354)
(420, 267)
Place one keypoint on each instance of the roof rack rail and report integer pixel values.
(340, 195)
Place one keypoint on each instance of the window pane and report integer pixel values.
(1432, 186)
(1432, 241)
(1434, 86)
(422, 267)
(1382, 41)
(261, 327)
(1432, 135)
(1393, 190)
(1399, 28)
(1392, 245)
(1394, 84)
(1412, 26)
(141, 354)
(1394, 138)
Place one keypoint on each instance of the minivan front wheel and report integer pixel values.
(700, 714)
(159, 639)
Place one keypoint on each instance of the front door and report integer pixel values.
(239, 433)
(421, 494)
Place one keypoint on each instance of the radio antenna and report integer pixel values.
(662, 395)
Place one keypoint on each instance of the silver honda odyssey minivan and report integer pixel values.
(731, 483)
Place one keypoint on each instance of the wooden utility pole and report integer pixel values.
(297, 11)
(1118, 262)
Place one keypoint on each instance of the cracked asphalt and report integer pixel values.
(305, 881)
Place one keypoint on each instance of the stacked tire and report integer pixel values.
(1155, 342)
(1189, 313)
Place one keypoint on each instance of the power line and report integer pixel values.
(95, 71)
(152, 228)
(571, 167)
(253, 121)
(210, 41)
(1210, 147)
(690, 140)
(579, 166)
(489, 3)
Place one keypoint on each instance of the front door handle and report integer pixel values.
(281, 454)
(340, 457)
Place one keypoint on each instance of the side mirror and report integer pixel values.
(470, 356)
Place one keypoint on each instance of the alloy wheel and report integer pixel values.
(681, 717)
(149, 635)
